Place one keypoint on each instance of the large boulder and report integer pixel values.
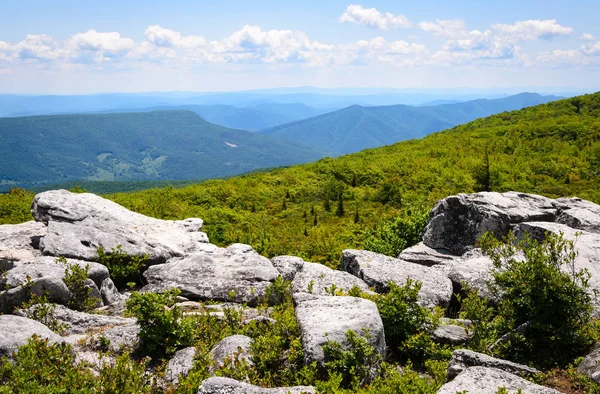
(218, 385)
(463, 359)
(457, 222)
(377, 270)
(579, 214)
(16, 330)
(484, 380)
(473, 269)
(322, 319)
(53, 288)
(20, 241)
(424, 255)
(590, 366)
(80, 223)
(236, 273)
(320, 279)
(180, 365)
(450, 334)
(233, 347)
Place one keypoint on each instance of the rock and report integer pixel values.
(94, 293)
(424, 255)
(463, 359)
(474, 269)
(457, 222)
(218, 385)
(237, 346)
(118, 337)
(323, 318)
(236, 273)
(16, 330)
(55, 290)
(20, 241)
(46, 266)
(590, 366)
(450, 334)
(320, 278)
(579, 214)
(483, 380)
(260, 320)
(180, 365)
(80, 322)
(108, 291)
(377, 270)
(79, 223)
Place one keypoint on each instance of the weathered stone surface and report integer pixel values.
(80, 322)
(54, 289)
(79, 223)
(483, 380)
(424, 255)
(321, 279)
(579, 214)
(450, 334)
(16, 330)
(236, 271)
(181, 364)
(46, 266)
(457, 222)
(119, 337)
(377, 270)
(94, 293)
(474, 269)
(109, 292)
(218, 385)
(590, 366)
(323, 319)
(237, 346)
(20, 241)
(463, 359)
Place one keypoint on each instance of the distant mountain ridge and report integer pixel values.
(160, 145)
(356, 128)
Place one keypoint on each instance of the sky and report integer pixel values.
(91, 46)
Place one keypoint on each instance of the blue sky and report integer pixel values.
(130, 46)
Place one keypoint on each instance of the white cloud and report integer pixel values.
(562, 57)
(38, 47)
(373, 18)
(533, 29)
(592, 50)
(162, 37)
(587, 37)
(445, 28)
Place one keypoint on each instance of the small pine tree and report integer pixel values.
(326, 205)
(356, 217)
(284, 205)
(253, 209)
(305, 232)
(312, 210)
(287, 194)
(340, 208)
(315, 222)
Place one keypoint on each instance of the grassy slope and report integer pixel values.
(135, 146)
(550, 149)
(355, 128)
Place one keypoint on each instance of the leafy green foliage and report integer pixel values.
(40, 309)
(393, 236)
(75, 279)
(123, 268)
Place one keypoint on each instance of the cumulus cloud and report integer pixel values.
(587, 37)
(591, 49)
(562, 57)
(533, 29)
(445, 28)
(373, 18)
(162, 37)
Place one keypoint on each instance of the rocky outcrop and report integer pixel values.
(590, 366)
(108, 291)
(235, 347)
(474, 269)
(315, 278)
(79, 223)
(236, 273)
(463, 359)
(118, 338)
(484, 380)
(450, 334)
(579, 214)
(19, 241)
(217, 385)
(424, 255)
(377, 270)
(457, 222)
(180, 365)
(322, 319)
(16, 330)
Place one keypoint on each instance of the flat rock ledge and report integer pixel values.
(463, 359)
(218, 385)
(16, 330)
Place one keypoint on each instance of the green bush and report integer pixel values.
(123, 268)
(162, 326)
(393, 236)
(75, 279)
(38, 308)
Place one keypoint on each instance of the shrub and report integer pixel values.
(162, 326)
(123, 268)
(75, 279)
(38, 308)
(393, 236)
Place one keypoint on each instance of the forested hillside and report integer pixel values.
(134, 146)
(316, 210)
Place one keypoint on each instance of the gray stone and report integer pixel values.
(287, 266)
(457, 222)
(474, 269)
(54, 288)
(109, 292)
(94, 293)
(119, 337)
(483, 380)
(79, 223)
(322, 319)
(235, 346)
(377, 270)
(424, 255)
(236, 273)
(218, 385)
(579, 214)
(20, 241)
(590, 366)
(450, 334)
(180, 365)
(16, 330)
(463, 359)
(80, 322)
